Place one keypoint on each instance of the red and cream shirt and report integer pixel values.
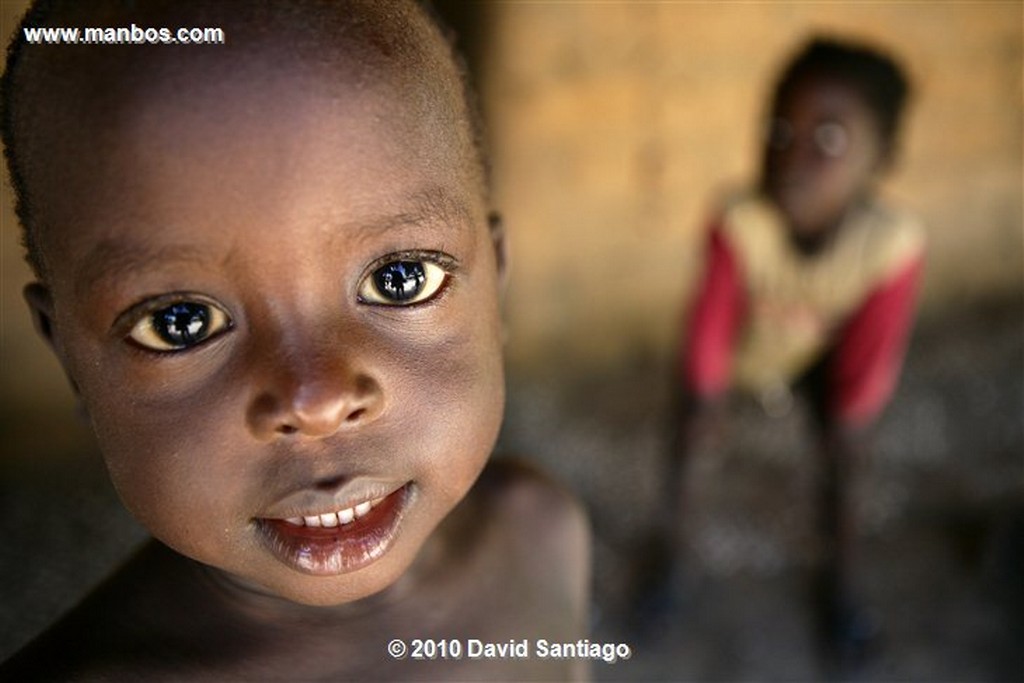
(764, 312)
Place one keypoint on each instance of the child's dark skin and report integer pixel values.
(216, 289)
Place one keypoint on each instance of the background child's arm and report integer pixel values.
(709, 340)
(713, 324)
(869, 353)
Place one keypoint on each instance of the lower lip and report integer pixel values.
(322, 551)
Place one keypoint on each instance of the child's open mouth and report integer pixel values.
(338, 541)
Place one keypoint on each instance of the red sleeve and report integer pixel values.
(869, 353)
(713, 323)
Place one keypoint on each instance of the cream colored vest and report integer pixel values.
(797, 304)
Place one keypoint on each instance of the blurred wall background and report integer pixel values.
(614, 124)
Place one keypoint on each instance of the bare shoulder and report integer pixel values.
(72, 647)
(520, 492)
(539, 517)
(125, 628)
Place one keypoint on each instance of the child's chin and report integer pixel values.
(341, 590)
(337, 589)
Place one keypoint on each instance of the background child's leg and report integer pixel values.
(843, 625)
(666, 567)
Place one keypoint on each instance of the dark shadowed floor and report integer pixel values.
(941, 508)
(942, 513)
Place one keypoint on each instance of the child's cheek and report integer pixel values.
(449, 390)
(176, 464)
(456, 404)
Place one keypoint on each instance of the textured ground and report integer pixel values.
(942, 509)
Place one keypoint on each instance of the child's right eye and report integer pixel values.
(179, 326)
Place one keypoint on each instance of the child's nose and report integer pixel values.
(803, 157)
(315, 396)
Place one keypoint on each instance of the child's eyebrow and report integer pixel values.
(434, 209)
(112, 259)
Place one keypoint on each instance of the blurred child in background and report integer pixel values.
(809, 283)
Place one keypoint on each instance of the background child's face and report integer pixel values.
(822, 153)
(277, 298)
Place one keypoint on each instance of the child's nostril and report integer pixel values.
(356, 414)
(287, 429)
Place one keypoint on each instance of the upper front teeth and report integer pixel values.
(333, 519)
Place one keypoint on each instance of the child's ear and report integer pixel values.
(497, 231)
(40, 307)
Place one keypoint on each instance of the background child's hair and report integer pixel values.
(879, 79)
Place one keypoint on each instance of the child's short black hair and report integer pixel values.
(879, 79)
(313, 14)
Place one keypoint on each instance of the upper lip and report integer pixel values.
(307, 502)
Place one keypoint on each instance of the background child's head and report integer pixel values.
(267, 269)
(834, 121)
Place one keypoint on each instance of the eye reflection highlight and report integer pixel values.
(403, 282)
(178, 327)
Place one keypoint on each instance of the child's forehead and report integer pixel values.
(272, 99)
(824, 92)
(268, 148)
(211, 123)
(101, 83)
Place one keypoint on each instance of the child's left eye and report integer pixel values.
(832, 139)
(402, 283)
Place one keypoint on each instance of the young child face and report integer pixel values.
(278, 299)
(822, 154)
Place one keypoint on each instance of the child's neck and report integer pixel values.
(253, 602)
(810, 243)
